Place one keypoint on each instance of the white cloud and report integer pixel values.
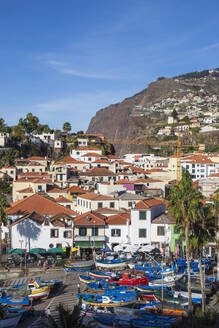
(211, 46)
(66, 69)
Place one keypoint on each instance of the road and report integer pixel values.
(65, 294)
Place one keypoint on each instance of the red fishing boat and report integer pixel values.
(128, 280)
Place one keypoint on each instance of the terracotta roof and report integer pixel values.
(156, 170)
(90, 218)
(91, 155)
(134, 169)
(98, 171)
(124, 181)
(105, 161)
(34, 180)
(148, 203)
(94, 196)
(87, 148)
(26, 190)
(62, 199)
(120, 219)
(124, 163)
(214, 175)
(76, 190)
(33, 216)
(164, 219)
(37, 158)
(33, 174)
(39, 204)
(70, 160)
(56, 190)
(147, 181)
(8, 167)
(113, 157)
(61, 216)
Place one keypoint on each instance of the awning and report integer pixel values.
(88, 244)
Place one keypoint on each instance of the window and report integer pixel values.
(112, 204)
(94, 231)
(54, 233)
(142, 233)
(40, 188)
(68, 206)
(12, 172)
(160, 231)
(187, 167)
(100, 205)
(129, 204)
(116, 233)
(193, 165)
(142, 215)
(82, 231)
(193, 170)
(33, 170)
(89, 159)
(67, 234)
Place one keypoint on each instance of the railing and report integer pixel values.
(90, 238)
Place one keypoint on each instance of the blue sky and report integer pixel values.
(64, 59)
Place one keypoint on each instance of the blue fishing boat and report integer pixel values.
(79, 266)
(103, 274)
(105, 300)
(110, 264)
(108, 286)
(14, 301)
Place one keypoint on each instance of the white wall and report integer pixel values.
(34, 235)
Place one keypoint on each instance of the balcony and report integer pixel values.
(90, 238)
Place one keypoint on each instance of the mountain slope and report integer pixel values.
(144, 112)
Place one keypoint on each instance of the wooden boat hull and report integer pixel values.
(83, 266)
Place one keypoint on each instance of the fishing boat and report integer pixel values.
(141, 323)
(101, 274)
(172, 310)
(168, 281)
(150, 289)
(127, 279)
(14, 301)
(87, 279)
(101, 286)
(112, 264)
(51, 283)
(79, 266)
(196, 298)
(106, 301)
(37, 291)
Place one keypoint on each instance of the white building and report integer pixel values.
(141, 217)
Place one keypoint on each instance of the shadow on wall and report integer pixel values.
(29, 231)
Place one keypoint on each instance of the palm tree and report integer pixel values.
(215, 208)
(183, 205)
(68, 318)
(3, 216)
(203, 231)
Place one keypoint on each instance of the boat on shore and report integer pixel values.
(128, 280)
(79, 266)
(105, 301)
(112, 264)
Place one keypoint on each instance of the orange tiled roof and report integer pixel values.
(98, 171)
(119, 219)
(105, 161)
(214, 175)
(71, 160)
(92, 155)
(94, 196)
(37, 158)
(76, 190)
(62, 199)
(39, 204)
(87, 148)
(26, 190)
(148, 203)
(90, 218)
(56, 190)
(124, 181)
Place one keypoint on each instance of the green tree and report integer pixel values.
(183, 205)
(174, 114)
(3, 216)
(29, 124)
(66, 127)
(202, 232)
(215, 209)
